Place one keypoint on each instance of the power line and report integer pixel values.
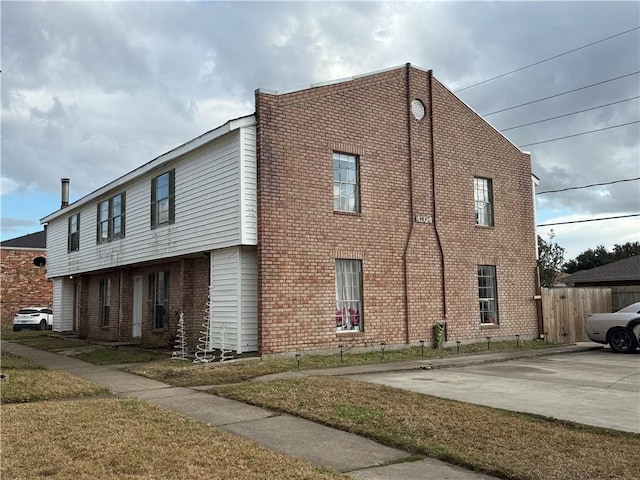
(569, 114)
(588, 220)
(578, 134)
(588, 186)
(545, 60)
(560, 94)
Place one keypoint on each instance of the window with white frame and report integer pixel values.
(73, 241)
(483, 201)
(163, 188)
(159, 301)
(488, 294)
(111, 218)
(104, 302)
(349, 295)
(345, 183)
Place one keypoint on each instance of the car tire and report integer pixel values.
(16, 328)
(43, 325)
(622, 340)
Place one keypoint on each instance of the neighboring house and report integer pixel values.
(625, 272)
(349, 213)
(23, 283)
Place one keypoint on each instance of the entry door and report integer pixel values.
(137, 307)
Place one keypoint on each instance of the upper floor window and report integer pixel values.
(488, 294)
(73, 240)
(483, 201)
(104, 299)
(111, 218)
(345, 183)
(348, 295)
(163, 190)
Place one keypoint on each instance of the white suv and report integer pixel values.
(38, 318)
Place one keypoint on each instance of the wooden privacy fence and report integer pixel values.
(565, 310)
(623, 296)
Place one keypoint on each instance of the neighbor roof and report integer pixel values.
(36, 240)
(622, 270)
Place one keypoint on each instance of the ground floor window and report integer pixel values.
(105, 302)
(349, 295)
(159, 301)
(488, 294)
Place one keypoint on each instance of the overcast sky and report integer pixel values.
(92, 90)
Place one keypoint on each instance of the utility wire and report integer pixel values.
(569, 114)
(588, 220)
(588, 186)
(545, 60)
(578, 134)
(560, 94)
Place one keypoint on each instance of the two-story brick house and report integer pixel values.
(349, 213)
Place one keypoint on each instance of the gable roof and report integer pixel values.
(37, 240)
(627, 269)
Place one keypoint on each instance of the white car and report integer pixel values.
(38, 318)
(621, 329)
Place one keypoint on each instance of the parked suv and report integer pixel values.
(38, 318)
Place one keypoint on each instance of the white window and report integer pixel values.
(483, 201)
(111, 218)
(345, 183)
(159, 301)
(348, 295)
(163, 188)
(105, 302)
(488, 294)
(74, 233)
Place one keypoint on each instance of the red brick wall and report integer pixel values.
(188, 290)
(23, 284)
(300, 236)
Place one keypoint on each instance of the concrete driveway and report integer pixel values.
(597, 387)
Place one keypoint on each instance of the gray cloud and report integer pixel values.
(92, 90)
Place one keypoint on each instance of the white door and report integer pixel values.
(137, 307)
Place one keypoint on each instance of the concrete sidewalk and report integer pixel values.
(321, 445)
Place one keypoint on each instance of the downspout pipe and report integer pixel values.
(411, 212)
(434, 199)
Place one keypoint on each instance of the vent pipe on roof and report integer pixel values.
(65, 193)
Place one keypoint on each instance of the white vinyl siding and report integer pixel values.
(211, 184)
(234, 299)
(63, 290)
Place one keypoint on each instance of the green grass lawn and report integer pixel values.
(498, 442)
(27, 381)
(115, 439)
(185, 374)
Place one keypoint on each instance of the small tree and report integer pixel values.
(550, 260)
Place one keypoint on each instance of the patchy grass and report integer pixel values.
(27, 381)
(9, 334)
(126, 439)
(497, 442)
(51, 342)
(117, 356)
(185, 374)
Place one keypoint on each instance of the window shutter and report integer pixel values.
(69, 234)
(154, 187)
(98, 223)
(165, 319)
(172, 196)
(151, 302)
(122, 213)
